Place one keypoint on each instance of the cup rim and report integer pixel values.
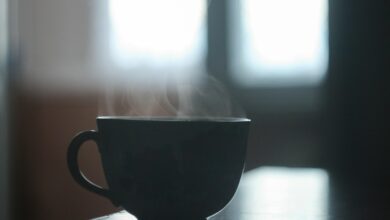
(174, 118)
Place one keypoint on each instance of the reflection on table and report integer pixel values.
(280, 193)
(273, 193)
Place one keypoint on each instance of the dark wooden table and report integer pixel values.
(276, 193)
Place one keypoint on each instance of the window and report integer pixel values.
(273, 54)
(158, 35)
(271, 42)
(279, 42)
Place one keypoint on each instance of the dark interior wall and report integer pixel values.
(288, 139)
(3, 109)
(358, 87)
(42, 187)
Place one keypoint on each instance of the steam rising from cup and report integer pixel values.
(181, 97)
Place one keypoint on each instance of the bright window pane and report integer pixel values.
(280, 42)
(296, 193)
(157, 34)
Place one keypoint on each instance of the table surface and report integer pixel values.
(276, 193)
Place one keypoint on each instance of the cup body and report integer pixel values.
(172, 168)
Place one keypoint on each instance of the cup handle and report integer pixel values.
(73, 165)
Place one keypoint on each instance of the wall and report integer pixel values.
(42, 185)
(358, 88)
(3, 109)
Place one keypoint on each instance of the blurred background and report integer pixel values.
(311, 74)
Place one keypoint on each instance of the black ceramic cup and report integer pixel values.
(166, 168)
